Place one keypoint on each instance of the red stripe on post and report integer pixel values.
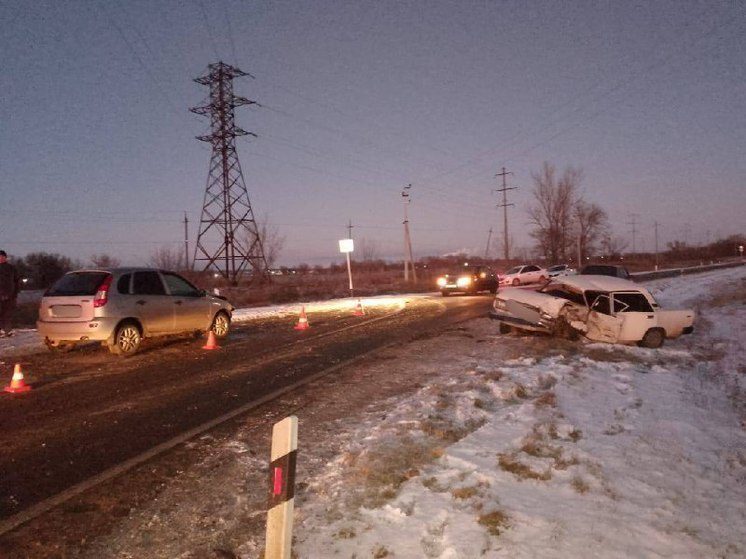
(277, 490)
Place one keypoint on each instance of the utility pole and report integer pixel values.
(349, 264)
(633, 223)
(504, 206)
(228, 239)
(408, 259)
(487, 249)
(186, 242)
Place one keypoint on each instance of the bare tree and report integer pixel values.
(591, 222)
(551, 212)
(167, 258)
(613, 246)
(368, 250)
(272, 240)
(105, 261)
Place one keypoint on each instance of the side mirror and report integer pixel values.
(201, 293)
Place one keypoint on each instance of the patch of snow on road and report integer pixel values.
(27, 340)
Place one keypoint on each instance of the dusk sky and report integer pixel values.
(98, 150)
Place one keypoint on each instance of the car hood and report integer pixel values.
(548, 304)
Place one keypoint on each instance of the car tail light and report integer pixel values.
(102, 293)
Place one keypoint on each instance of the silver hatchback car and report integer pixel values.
(119, 307)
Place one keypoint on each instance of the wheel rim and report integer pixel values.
(129, 338)
(655, 338)
(221, 325)
(516, 282)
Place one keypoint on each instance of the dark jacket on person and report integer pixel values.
(9, 281)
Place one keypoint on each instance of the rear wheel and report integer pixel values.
(127, 339)
(221, 325)
(543, 279)
(653, 338)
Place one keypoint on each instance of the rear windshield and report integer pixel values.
(77, 283)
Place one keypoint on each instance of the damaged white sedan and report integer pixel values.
(600, 308)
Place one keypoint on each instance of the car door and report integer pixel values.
(191, 307)
(636, 313)
(151, 303)
(601, 325)
(531, 274)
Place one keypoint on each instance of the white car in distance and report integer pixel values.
(561, 270)
(601, 308)
(524, 275)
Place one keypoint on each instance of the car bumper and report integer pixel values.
(99, 329)
(518, 322)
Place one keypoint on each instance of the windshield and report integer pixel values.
(513, 270)
(77, 283)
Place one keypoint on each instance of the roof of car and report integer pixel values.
(599, 283)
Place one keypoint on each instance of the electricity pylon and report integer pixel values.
(229, 240)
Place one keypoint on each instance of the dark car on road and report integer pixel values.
(471, 280)
(605, 270)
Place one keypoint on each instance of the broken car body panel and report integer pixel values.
(602, 308)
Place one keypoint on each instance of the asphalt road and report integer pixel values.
(90, 411)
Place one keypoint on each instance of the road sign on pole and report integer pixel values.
(347, 246)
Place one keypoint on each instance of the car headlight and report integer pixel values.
(463, 282)
(441, 282)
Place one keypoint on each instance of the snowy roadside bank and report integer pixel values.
(27, 340)
(473, 444)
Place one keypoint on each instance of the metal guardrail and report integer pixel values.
(673, 272)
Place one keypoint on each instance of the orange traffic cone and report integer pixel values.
(302, 320)
(359, 309)
(212, 341)
(16, 384)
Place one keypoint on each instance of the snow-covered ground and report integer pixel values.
(499, 446)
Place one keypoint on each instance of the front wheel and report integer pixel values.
(505, 328)
(516, 282)
(653, 338)
(221, 325)
(127, 339)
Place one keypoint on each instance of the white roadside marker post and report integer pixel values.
(281, 489)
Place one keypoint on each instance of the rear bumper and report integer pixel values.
(98, 329)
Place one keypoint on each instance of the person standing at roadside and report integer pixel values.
(9, 287)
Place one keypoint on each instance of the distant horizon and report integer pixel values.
(358, 100)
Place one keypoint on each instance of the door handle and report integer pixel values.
(141, 302)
